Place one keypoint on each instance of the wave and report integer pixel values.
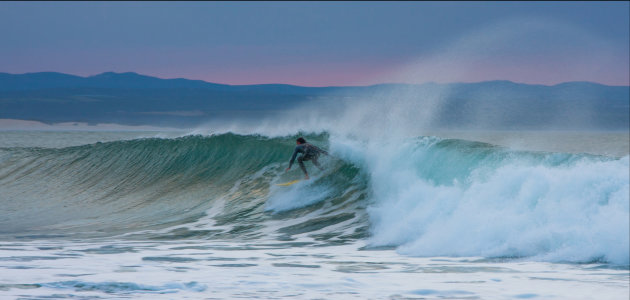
(220, 186)
(434, 197)
(426, 196)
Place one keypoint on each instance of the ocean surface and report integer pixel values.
(199, 215)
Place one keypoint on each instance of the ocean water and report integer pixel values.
(198, 215)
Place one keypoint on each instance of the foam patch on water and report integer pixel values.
(125, 287)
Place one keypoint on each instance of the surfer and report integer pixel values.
(309, 152)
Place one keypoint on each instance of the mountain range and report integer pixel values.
(135, 99)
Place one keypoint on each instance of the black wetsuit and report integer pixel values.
(309, 152)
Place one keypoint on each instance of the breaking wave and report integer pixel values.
(427, 196)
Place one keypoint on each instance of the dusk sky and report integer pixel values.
(322, 43)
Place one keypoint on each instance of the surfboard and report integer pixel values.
(288, 183)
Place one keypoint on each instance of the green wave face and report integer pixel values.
(157, 188)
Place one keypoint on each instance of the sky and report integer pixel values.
(322, 43)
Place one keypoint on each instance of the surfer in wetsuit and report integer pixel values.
(309, 152)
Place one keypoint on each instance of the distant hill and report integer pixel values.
(129, 80)
(134, 99)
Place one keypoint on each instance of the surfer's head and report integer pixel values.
(300, 140)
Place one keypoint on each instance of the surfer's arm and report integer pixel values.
(295, 152)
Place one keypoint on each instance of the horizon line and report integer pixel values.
(323, 86)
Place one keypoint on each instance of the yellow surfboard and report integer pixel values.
(288, 183)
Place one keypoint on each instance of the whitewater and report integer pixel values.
(198, 215)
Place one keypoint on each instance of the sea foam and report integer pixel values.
(435, 197)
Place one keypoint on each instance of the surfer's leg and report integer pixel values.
(301, 163)
(316, 163)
